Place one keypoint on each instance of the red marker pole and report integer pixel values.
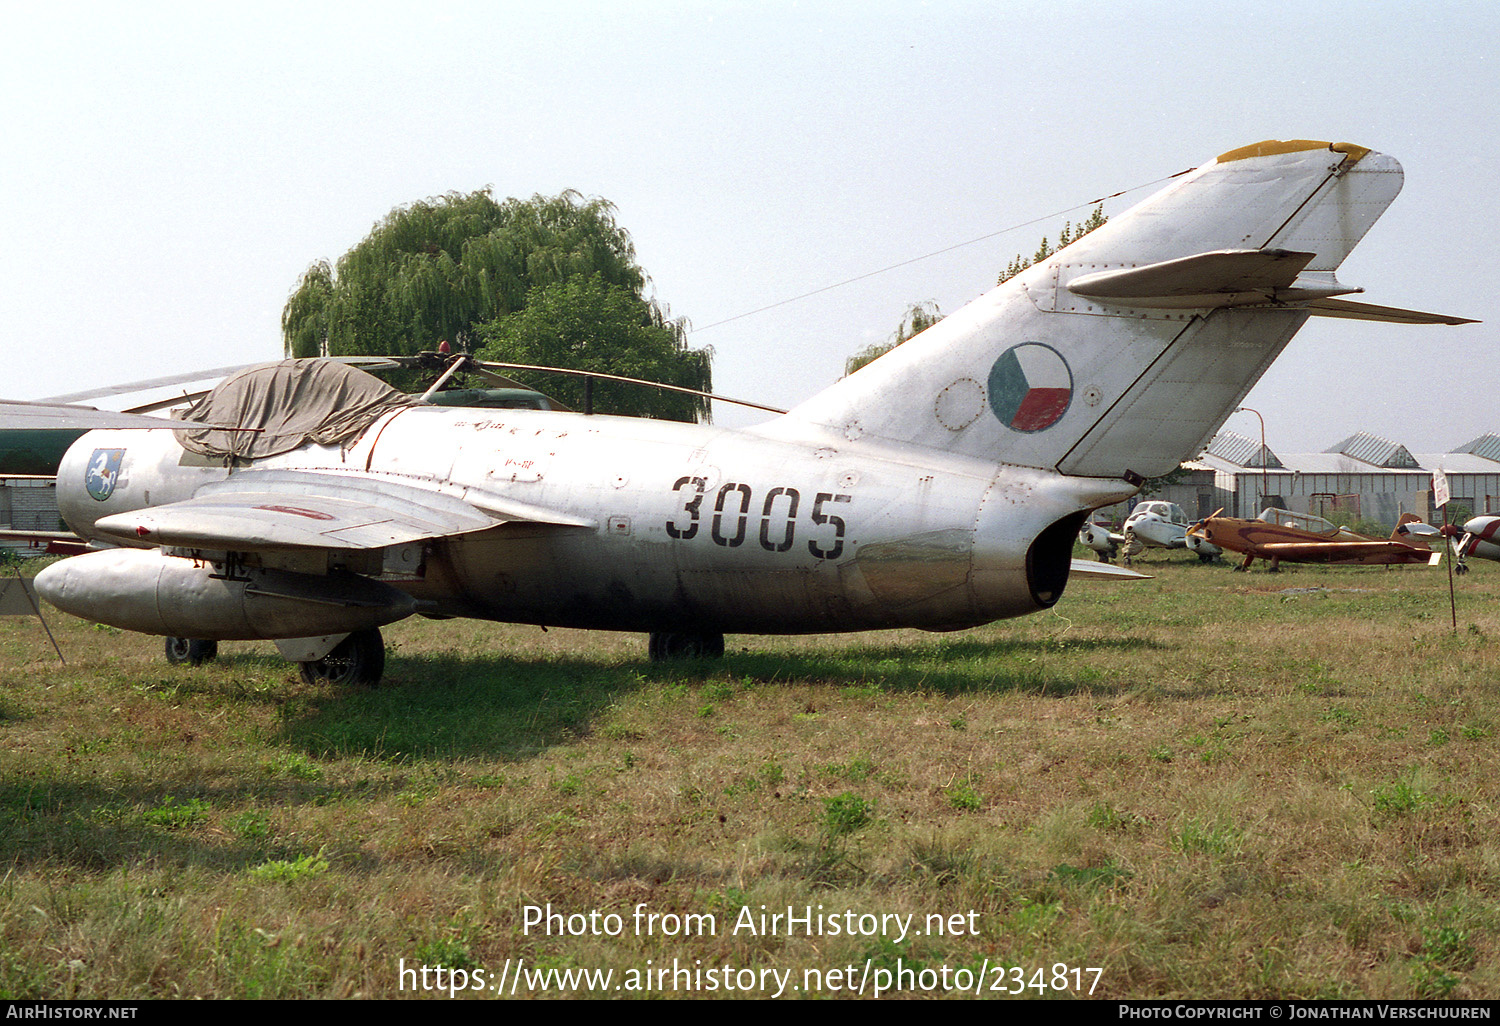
(1440, 497)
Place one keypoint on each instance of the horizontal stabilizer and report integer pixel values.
(1225, 277)
(1088, 568)
(1390, 314)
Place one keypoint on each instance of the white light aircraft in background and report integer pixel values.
(1101, 539)
(1475, 538)
(1161, 525)
(1153, 524)
(1206, 550)
(940, 487)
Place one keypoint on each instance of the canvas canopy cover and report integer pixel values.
(288, 404)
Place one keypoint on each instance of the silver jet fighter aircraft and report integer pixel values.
(940, 487)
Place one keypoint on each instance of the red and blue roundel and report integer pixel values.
(1031, 387)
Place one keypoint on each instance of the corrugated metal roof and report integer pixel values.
(1374, 450)
(1339, 463)
(1487, 446)
(1242, 451)
(1360, 453)
(1458, 463)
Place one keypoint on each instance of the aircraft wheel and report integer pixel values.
(191, 651)
(665, 645)
(358, 660)
(1460, 568)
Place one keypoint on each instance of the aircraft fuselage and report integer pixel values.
(690, 526)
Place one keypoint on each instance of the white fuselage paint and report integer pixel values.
(1483, 537)
(1160, 525)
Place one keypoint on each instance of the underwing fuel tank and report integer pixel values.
(148, 591)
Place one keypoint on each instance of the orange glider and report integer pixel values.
(1279, 535)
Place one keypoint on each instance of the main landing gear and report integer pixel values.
(358, 660)
(191, 651)
(665, 645)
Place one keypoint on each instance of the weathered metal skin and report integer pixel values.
(693, 527)
(783, 539)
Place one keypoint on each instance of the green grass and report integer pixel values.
(1209, 784)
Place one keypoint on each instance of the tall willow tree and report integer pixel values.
(1070, 233)
(446, 268)
(591, 324)
(921, 316)
(917, 319)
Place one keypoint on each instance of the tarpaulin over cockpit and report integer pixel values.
(285, 405)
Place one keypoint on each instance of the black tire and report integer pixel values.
(191, 651)
(667, 645)
(358, 660)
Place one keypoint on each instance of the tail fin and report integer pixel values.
(1413, 530)
(1123, 353)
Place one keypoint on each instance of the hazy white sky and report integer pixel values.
(171, 169)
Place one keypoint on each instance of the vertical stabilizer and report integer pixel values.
(1126, 350)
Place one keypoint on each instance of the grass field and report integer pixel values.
(1210, 784)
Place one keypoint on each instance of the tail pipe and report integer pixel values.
(1050, 557)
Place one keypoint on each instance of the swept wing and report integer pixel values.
(263, 511)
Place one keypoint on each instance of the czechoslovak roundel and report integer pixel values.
(1030, 387)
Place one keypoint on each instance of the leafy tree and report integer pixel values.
(917, 319)
(1366, 526)
(436, 268)
(1157, 485)
(1070, 233)
(593, 324)
(921, 316)
(453, 266)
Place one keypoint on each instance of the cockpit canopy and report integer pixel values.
(1167, 511)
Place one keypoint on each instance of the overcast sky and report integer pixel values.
(170, 170)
